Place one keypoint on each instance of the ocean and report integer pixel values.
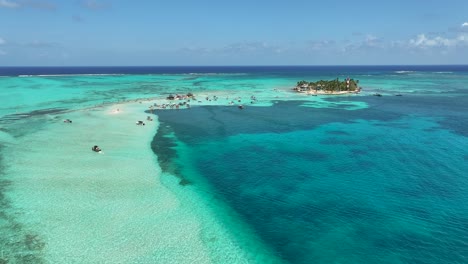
(290, 178)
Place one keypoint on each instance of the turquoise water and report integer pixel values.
(344, 179)
(367, 187)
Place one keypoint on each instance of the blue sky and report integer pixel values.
(236, 32)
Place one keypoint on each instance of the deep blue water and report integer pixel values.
(283, 70)
(384, 184)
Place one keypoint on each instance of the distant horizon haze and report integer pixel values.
(209, 33)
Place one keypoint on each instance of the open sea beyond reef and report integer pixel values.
(291, 178)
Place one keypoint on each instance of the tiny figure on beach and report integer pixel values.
(96, 149)
(149, 118)
(140, 123)
(67, 121)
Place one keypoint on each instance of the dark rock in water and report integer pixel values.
(33, 242)
(35, 113)
(184, 182)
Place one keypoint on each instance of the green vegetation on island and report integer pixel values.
(329, 87)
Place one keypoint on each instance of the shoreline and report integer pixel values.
(327, 93)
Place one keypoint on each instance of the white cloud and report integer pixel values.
(465, 24)
(363, 44)
(254, 47)
(245, 47)
(372, 41)
(321, 45)
(463, 39)
(238, 48)
(422, 41)
(8, 4)
(2, 41)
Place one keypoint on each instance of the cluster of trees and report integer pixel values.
(331, 86)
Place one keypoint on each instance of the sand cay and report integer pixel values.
(110, 207)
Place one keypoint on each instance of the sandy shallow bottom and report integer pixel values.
(111, 207)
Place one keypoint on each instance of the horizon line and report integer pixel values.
(279, 65)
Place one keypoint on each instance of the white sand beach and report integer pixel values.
(111, 207)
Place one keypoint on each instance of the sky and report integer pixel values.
(235, 32)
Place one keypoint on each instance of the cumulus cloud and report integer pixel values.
(455, 37)
(372, 41)
(423, 41)
(245, 47)
(321, 44)
(238, 48)
(196, 50)
(364, 44)
(254, 47)
(8, 4)
(443, 42)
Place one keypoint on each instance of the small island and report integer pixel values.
(333, 87)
